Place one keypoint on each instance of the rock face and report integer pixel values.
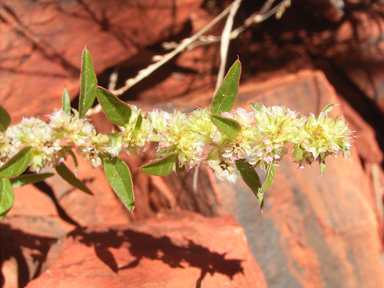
(315, 231)
(174, 249)
(357, 50)
(37, 219)
(42, 44)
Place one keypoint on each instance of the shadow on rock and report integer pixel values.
(29, 252)
(143, 245)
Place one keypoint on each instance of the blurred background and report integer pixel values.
(315, 231)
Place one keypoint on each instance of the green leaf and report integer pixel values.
(269, 177)
(17, 164)
(249, 175)
(298, 151)
(328, 109)
(260, 198)
(226, 94)
(88, 82)
(268, 181)
(119, 178)
(68, 176)
(116, 110)
(22, 180)
(66, 102)
(5, 119)
(213, 154)
(138, 124)
(161, 167)
(6, 197)
(322, 167)
(256, 106)
(74, 160)
(228, 126)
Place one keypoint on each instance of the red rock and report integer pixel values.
(9, 273)
(34, 213)
(319, 231)
(42, 44)
(376, 174)
(22, 256)
(366, 143)
(37, 220)
(192, 71)
(174, 249)
(315, 231)
(104, 207)
(356, 48)
(27, 231)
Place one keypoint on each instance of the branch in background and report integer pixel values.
(184, 44)
(164, 59)
(225, 39)
(113, 78)
(264, 13)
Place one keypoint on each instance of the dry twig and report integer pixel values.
(225, 39)
(264, 13)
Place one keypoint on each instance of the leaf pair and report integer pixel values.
(88, 83)
(224, 101)
(251, 178)
(9, 176)
(117, 111)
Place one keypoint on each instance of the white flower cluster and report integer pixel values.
(261, 140)
(37, 134)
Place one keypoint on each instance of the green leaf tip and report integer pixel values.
(17, 164)
(161, 167)
(66, 102)
(260, 199)
(228, 126)
(322, 167)
(328, 109)
(88, 82)
(5, 119)
(225, 96)
(269, 177)
(256, 106)
(74, 161)
(267, 182)
(297, 152)
(29, 179)
(139, 121)
(117, 111)
(119, 177)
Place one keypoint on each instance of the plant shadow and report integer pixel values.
(143, 245)
(15, 244)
